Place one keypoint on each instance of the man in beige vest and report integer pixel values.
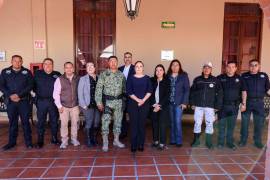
(66, 99)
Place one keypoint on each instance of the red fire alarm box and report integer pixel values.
(35, 66)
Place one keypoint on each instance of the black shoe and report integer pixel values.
(241, 144)
(55, 141)
(161, 147)
(88, 134)
(30, 146)
(231, 146)
(141, 149)
(155, 144)
(8, 146)
(172, 143)
(178, 145)
(133, 150)
(40, 145)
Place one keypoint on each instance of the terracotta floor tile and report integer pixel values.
(21, 163)
(149, 178)
(168, 170)
(242, 176)
(203, 159)
(211, 169)
(218, 177)
(190, 169)
(253, 168)
(163, 160)
(172, 177)
(184, 160)
(63, 162)
(144, 160)
(101, 171)
(4, 163)
(56, 172)
(198, 177)
(259, 176)
(146, 170)
(232, 168)
(41, 163)
(124, 171)
(100, 161)
(79, 172)
(124, 161)
(10, 173)
(84, 162)
(241, 159)
(32, 173)
(222, 159)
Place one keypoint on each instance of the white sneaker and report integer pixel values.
(63, 145)
(75, 142)
(118, 144)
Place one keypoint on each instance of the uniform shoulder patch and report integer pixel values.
(262, 76)
(8, 71)
(55, 76)
(211, 85)
(237, 80)
(24, 72)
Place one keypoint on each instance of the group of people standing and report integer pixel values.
(118, 92)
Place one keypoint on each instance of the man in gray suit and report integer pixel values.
(86, 95)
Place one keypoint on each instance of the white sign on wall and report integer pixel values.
(2, 56)
(39, 44)
(167, 55)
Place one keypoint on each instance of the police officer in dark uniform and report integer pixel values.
(16, 83)
(43, 87)
(256, 84)
(232, 86)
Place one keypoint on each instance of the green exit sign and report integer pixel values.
(168, 24)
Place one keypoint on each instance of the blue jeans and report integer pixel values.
(176, 124)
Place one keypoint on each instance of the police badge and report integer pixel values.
(8, 71)
(237, 80)
(211, 85)
(262, 76)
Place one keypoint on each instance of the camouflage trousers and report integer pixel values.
(113, 110)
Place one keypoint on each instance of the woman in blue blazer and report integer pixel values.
(178, 99)
(86, 96)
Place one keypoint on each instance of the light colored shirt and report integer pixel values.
(126, 70)
(157, 94)
(56, 93)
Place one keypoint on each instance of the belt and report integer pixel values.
(107, 97)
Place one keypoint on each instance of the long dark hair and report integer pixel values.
(180, 67)
(162, 67)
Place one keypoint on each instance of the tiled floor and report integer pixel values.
(173, 163)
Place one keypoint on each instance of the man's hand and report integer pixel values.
(183, 106)
(61, 110)
(14, 98)
(101, 107)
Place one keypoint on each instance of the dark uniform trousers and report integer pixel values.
(46, 106)
(255, 106)
(15, 110)
(227, 120)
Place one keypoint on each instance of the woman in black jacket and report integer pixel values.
(160, 104)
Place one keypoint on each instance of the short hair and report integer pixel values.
(111, 57)
(232, 62)
(129, 53)
(254, 60)
(68, 62)
(17, 56)
(48, 59)
(138, 62)
(90, 62)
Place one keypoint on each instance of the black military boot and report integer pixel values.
(55, 140)
(196, 140)
(88, 137)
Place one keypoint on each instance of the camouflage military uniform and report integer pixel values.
(113, 85)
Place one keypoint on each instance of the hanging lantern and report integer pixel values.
(132, 8)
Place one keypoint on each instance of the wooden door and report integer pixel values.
(242, 34)
(94, 32)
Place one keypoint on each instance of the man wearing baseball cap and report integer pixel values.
(205, 98)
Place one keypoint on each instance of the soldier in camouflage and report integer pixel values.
(109, 96)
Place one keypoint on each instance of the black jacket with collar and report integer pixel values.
(164, 92)
(206, 92)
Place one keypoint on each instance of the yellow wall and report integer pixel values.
(197, 37)
(23, 21)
